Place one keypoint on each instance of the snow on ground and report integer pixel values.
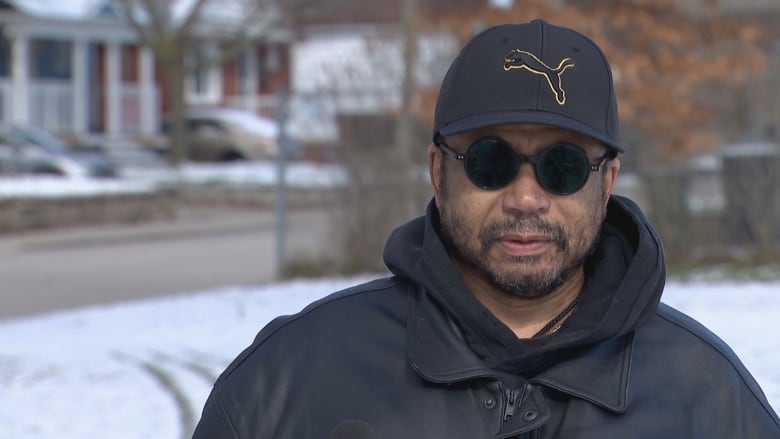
(108, 371)
(245, 174)
(49, 187)
(149, 179)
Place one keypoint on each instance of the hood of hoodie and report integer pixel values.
(625, 278)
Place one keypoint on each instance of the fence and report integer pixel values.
(722, 209)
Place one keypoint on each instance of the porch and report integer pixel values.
(61, 107)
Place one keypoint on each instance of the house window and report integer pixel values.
(273, 59)
(130, 63)
(243, 72)
(200, 74)
(50, 59)
(203, 82)
(5, 57)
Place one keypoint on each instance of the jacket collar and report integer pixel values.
(597, 373)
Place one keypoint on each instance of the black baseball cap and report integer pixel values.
(529, 73)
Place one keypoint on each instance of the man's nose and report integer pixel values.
(524, 194)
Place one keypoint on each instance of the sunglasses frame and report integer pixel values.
(532, 159)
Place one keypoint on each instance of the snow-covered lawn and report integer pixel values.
(143, 180)
(114, 371)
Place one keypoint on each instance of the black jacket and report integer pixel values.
(416, 356)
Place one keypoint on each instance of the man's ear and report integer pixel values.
(610, 176)
(434, 169)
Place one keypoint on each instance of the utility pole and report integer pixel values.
(282, 103)
(404, 137)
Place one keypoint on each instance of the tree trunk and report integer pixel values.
(407, 145)
(175, 76)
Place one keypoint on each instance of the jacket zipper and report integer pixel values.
(511, 400)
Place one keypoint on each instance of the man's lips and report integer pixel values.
(525, 245)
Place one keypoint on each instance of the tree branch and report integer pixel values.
(160, 14)
(131, 15)
(195, 14)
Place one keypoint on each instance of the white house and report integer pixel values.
(356, 69)
(75, 67)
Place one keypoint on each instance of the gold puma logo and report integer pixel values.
(520, 59)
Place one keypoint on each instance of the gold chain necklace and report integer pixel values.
(555, 324)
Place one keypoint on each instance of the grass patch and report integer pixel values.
(726, 272)
(313, 268)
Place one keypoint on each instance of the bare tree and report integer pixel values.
(176, 31)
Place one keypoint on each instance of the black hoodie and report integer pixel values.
(625, 277)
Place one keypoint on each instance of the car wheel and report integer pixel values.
(232, 156)
(48, 170)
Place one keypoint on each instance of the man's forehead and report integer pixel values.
(544, 132)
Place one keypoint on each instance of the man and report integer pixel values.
(525, 304)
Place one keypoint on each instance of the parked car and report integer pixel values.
(29, 150)
(224, 134)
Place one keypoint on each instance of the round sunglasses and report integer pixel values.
(492, 163)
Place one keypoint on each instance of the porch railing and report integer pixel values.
(6, 100)
(50, 106)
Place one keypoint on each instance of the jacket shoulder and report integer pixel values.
(685, 323)
(682, 346)
(331, 337)
(687, 333)
(328, 317)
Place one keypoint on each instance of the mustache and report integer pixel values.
(527, 225)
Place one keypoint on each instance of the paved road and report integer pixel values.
(50, 270)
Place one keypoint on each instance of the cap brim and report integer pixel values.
(540, 117)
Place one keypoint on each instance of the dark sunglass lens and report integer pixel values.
(491, 163)
(563, 169)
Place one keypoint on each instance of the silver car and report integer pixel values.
(223, 134)
(28, 150)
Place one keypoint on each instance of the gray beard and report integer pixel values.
(523, 286)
